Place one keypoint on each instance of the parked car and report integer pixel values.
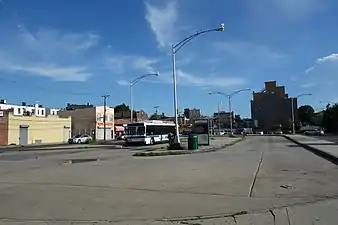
(120, 137)
(317, 132)
(260, 132)
(239, 131)
(278, 132)
(80, 139)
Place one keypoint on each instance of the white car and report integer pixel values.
(80, 139)
(260, 132)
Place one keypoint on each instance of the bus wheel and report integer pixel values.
(152, 141)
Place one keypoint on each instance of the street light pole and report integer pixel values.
(229, 96)
(174, 50)
(104, 115)
(132, 83)
(131, 103)
(219, 116)
(293, 110)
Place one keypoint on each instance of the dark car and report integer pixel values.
(239, 131)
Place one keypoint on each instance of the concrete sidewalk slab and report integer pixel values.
(323, 148)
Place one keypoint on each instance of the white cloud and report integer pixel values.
(188, 79)
(332, 57)
(323, 75)
(124, 63)
(247, 51)
(55, 41)
(161, 20)
(123, 83)
(309, 69)
(48, 52)
(285, 9)
(307, 85)
(58, 73)
(323, 61)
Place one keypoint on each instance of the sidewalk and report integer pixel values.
(216, 143)
(58, 147)
(323, 148)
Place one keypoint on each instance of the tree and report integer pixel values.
(121, 108)
(154, 117)
(238, 121)
(306, 114)
(157, 116)
(330, 118)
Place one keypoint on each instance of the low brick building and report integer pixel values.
(90, 121)
(32, 129)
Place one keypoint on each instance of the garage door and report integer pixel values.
(100, 133)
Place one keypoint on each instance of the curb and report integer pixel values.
(315, 151)
(185, 152)
(65, 148)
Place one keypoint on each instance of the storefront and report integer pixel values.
(100, 130)
(119, 131)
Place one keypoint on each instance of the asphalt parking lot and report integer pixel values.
(254, 180)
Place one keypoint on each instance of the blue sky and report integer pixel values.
(63, 51)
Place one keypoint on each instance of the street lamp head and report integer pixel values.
(221, 27)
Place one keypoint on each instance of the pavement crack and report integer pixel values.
(240, 213)
(256, 174)
(287, 215)
(213, 194)
(273, 216)
(234, 217)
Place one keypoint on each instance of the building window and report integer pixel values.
(42, 112)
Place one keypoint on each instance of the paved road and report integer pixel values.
(259, 180)
(332, 138)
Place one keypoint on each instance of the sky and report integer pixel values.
(58, 52)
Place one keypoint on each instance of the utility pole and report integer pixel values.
(104, 115)
(156, 107)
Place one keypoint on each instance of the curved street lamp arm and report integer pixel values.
(298, 96)
(238, 91)
(141, 77)
(180, 44)
(218, 93)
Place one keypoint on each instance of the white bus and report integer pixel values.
(149, 132)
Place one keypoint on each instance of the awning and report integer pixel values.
(119, 129)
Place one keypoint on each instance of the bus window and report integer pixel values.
(141, 130)
(151, 130)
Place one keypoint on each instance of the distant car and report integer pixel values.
(121, 137)
(260, 132)
(316, 132)
(239, 131)
(80, 139)
(278, 132)
(222, 133)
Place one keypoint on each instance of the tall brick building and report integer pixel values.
(271, 107)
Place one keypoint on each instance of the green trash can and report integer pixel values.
(193, 142)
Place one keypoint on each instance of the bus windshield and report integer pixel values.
(136, 130)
